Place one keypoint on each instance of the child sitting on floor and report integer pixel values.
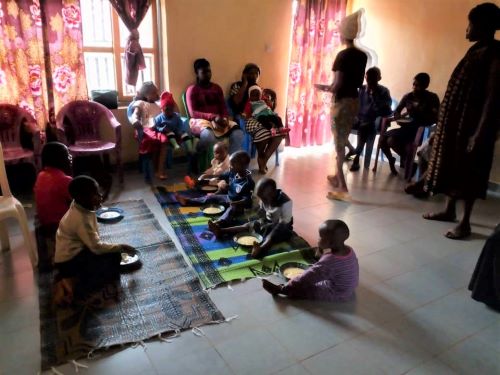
(52, 199)
(81, 258)
(334, 277)
(235, 189)
(260, 110)
(219, 165)
(275, 223)
(170, 124)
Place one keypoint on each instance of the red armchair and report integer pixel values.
(12, 121)
(78, 127)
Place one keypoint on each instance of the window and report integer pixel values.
(104, 40)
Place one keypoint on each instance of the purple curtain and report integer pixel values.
(132, 13)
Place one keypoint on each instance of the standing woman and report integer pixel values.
(208, 111)
(265, 144)
(468, 123)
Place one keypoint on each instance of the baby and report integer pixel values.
(219, 165)
(275, 223)
(334, 277)
(260, 110)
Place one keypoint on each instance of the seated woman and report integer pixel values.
(265, 144)
(209, 115)
(421, 110)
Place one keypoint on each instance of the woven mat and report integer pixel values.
(163, 296)
(219, 261)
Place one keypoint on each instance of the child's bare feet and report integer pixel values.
(183, 201)
(271, 288)
(214, 228)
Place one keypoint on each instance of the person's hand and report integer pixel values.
(471, 146)
(202, 177)
(128, 249)
(319, 86)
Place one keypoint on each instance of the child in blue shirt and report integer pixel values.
(235, 189)
(170, 124)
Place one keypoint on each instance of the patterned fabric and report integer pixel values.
(472, 97)
(344, 113)
(164, 295)
(219, 261)
(314, 44)
(41, 58)
(132, 12)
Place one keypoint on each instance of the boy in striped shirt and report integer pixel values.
(334, 277)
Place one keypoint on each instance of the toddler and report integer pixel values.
(275, 221)
(52, 198)
(334, 277)
(235, 189)
(81, 258)
(218, 166)
(260, 110)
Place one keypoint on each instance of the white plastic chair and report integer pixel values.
(11, 207)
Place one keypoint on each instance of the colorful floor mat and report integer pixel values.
(219, 261)
(163, 296)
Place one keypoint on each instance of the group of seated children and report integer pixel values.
(156, 127)
(84, 261)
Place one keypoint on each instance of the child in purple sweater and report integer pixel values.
(334, 277)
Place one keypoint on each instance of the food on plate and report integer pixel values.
(247, 240)
(293, 272)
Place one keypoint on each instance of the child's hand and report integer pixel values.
(202, 177)
(128, 249)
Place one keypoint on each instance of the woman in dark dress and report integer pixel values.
(468, 123)
(265, 144)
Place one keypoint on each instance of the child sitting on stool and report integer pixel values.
(260, 110)
(81, 258)
(218, 166)
(275, 223)
(334, 277)
(235, 189)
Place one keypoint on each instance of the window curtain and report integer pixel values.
(132, 13)
(315, 41)
(41, 55)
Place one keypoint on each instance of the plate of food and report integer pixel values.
(291, 270)
(247, 239)
(212, 209)
(208, 188)
(109, 214)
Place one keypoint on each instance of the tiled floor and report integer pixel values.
(412, 313)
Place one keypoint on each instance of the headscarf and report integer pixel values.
(254, 87)
(350, 26)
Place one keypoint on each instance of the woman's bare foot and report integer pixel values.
(183, 201)
(271, 288)
(440, 216)
(214, 228)
(262, 163)
(462, 230)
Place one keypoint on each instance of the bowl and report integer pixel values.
(212, 209)
(130, 261)
(291, 270)
(109, 214)
(247, 239)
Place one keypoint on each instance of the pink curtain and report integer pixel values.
(41, 55)
(314, 46)
(132, 12)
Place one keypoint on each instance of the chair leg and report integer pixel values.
(4, 237)
(28, 241)
(277, 158)
(368, 152)
(119, 166)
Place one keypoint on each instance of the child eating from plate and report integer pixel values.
(334, 277)
(218, 166)
(275, 221)
(81, 258)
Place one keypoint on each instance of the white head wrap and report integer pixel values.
(254, 87)
(350, 26)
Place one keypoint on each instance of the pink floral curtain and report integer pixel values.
(41, 55)
(314, 46)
